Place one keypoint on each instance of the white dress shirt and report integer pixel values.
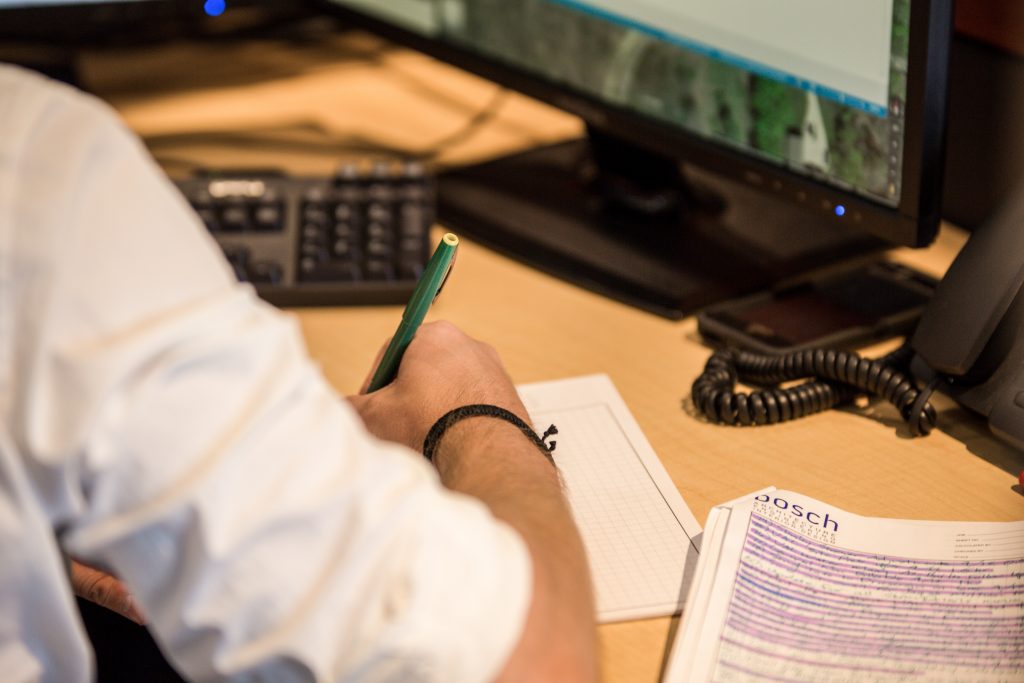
(158, 420)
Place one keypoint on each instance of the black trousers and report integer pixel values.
(125, 652)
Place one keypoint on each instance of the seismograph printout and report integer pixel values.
(806, 592)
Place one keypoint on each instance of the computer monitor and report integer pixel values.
(732, 144)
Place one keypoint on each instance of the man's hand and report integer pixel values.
(443, 368)
(103, 589)
(491, 460)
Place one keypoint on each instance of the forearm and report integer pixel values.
(492, 461)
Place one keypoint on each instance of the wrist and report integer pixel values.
(484, 431)
(478, 434)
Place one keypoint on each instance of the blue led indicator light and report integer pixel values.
(840, 210)
(214, 8)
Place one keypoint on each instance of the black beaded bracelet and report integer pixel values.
(485, 410)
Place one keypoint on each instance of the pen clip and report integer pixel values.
(447, 274)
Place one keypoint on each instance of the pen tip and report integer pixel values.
(450, 239)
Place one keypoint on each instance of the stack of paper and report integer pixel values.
(640, 537)
(791, 589)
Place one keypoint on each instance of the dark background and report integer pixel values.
(985, 156)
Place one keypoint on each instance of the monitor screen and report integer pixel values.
(816, 86)
(797, 133)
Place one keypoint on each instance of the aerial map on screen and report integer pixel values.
(815, 85)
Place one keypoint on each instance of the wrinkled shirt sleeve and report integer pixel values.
(161, 421)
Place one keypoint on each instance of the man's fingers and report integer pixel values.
(103, 589)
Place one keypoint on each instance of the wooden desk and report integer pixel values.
(359, 88)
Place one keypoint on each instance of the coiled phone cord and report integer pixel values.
(839, 377)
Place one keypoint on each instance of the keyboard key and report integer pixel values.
(411, 247)
(413, 193)
(377, 231)
(267, 272)
(379, 213)
(234, 218)
(343, 249)
(345, 231)
(343, 212)
(380, 192)
(315, 193)
(377, 269)
(269, 217)
(314, 213)
(237, 254)
(379, 249)
(317, 252)
(312, 233)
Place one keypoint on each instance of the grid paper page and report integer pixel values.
(638, 532)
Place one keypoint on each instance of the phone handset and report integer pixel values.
(971, 334)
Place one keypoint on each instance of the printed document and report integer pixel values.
(789, 588)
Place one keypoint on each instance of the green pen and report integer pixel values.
(427, 289)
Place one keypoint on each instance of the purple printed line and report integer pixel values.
(862, 648)
(748, 569)
(788, 549)
(746, 620)
(799, 602)
(830, 554)
(843, 649)
(775, 655)
(746, 606)
(867, 615)
(890, 587)
(761, 544)
(772, 563)
(924, 656)
(769, 526)
(793, 561)
(881, 566)
(758, 674)
(909, 587)
(760, 521)
(751, 568)
(903, 605)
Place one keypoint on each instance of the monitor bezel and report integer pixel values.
(76, 23)
(102, 23)
(914, 222)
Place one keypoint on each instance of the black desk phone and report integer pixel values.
(968, 343)
(971, 336)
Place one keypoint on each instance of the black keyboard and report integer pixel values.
(360, 237)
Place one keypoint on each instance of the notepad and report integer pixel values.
(640, 537)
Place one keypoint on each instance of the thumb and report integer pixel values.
(105, 590)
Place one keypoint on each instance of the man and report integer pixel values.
(160, 422)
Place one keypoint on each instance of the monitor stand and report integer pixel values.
(670, 248)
